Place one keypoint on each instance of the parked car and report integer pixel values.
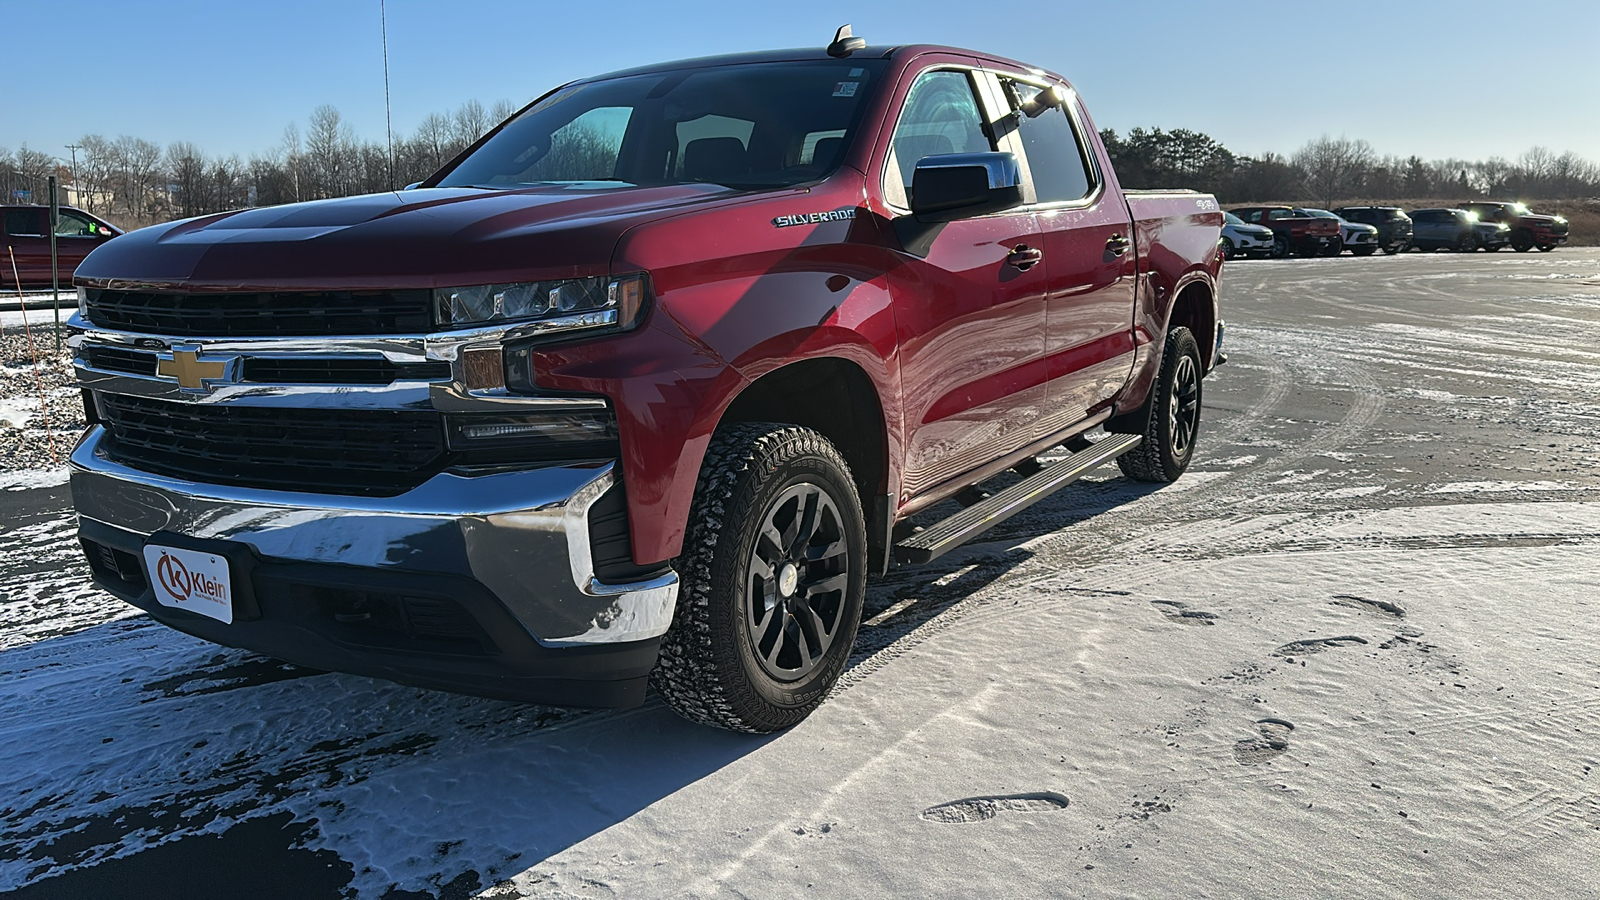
(25, 234)
(554, 425)
(1294, 231)
(1492, 235)
(1359, 239)
(1240, 238)
(1444, 229)
(1528, 230)
(1394, 226)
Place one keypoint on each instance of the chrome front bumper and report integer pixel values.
(522, 535)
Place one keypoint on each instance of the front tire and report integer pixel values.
(1280, 247)
(1522, 240)
(1173, 414)
(1466, 244)
(774, 574)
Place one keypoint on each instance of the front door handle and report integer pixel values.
(1024, 257)
(1118, 245)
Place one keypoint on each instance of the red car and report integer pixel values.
(644, 385)
(1295, 230)
(1528, 230)
(25, 234)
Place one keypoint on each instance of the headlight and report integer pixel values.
(619, 300)
(1561, 220)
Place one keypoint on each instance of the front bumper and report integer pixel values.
(481, 585)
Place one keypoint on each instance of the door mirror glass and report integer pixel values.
(954, 186)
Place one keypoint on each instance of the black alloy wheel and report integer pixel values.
(1228, 251)
(1522, 240)
(1280, 246)
(799, 573)
(1466, 244)
(1172, 414)
(774, 574)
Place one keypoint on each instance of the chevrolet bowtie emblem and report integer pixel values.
(191, 371)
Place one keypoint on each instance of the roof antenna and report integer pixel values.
(843, 44)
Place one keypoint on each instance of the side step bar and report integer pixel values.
(937, 539)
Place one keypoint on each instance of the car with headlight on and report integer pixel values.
(1241, 239)
(1359, 239)
(1492, 235)
(1394, 226)
(1444, 229)
(1527, 229)
(641, 387)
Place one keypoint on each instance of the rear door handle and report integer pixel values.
(1118, 245)
(1024, 257)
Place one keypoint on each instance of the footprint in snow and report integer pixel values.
(1383, 606)
(1273, 742)
(1317, 645)
(978, 809)
(1182, 614)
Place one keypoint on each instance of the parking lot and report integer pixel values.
(1354, 651)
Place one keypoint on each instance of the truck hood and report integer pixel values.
(433, 237)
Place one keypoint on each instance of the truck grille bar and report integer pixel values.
(271, 314)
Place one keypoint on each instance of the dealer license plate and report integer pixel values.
(191, 580)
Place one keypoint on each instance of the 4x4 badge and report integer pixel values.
(192, 372)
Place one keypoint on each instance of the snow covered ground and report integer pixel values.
(1354, 652)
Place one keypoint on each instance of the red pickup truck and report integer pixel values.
(645, 384)
(1295, 230)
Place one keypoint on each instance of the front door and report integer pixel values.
(969, 310)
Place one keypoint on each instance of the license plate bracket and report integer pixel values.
(192, 580)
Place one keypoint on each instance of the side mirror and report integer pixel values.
(412, 186)
(953, 186)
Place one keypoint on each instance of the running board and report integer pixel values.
(941, 537)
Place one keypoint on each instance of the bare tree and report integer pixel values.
(329, 151)
(1334, 167)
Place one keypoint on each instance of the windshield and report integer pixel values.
(1321, 214)
(1232, 219)
(751, 125)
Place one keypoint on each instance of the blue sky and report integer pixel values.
(1464, 78)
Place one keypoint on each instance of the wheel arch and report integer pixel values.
(838, 399)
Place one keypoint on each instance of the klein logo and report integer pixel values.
(816, 218)
(181, 584)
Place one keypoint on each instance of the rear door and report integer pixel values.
(969, 320)
(1087, 235)
(27, 244)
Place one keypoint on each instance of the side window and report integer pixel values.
(1056, 158)
(1277, 214)
(940, 116)
(1253, 215)
(71, 224)
(25, 222)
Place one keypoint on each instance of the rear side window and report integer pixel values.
(25, 222)
(940, 116)
(1056, 159)
(1253, 215)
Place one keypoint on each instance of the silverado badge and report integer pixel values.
(815, 218)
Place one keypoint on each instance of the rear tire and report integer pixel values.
(1522, 240)
(774, 574)
(1173, 414)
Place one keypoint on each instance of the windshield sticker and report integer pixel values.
(846, 88)
(836, 215)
